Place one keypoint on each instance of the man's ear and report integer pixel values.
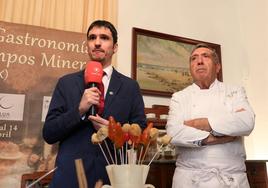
(218, 67)
(115, 47)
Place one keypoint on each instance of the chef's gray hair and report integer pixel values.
(215, 57)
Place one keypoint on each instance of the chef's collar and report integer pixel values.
(211, 85)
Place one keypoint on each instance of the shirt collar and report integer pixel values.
(108, 71)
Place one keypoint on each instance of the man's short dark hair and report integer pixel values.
(106, 24)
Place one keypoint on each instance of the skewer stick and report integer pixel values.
(155, 154)
(139, 161)
(104, 154)
(146, 151)
(132, 154)
(108, 151)
(115, 155)
(122, 154)
(126, 154)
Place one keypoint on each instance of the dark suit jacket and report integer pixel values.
(64, 125)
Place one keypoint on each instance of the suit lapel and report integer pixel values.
(113, 89)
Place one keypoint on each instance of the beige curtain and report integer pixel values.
(69, 15)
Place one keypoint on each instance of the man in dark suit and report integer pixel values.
(66, 122)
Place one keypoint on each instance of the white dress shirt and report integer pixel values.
(106, 78)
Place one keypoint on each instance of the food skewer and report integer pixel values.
(96, 140)
(153, 134)
(134, 135)
(102, 134)
(165, 140)
(128, 134)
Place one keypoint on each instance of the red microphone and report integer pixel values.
(93, 77)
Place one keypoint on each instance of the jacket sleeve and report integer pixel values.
(62, 118)
(182, 135)
(235, 116)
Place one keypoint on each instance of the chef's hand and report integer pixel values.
(212, 140)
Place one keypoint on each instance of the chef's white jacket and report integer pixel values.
(203, 166)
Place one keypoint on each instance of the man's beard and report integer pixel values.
(98, 59)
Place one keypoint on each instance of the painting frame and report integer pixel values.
(154, 52)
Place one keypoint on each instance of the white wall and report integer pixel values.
(253, 29)
(239, 26)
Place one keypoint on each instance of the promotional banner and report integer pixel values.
(31, 61)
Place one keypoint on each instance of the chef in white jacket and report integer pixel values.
(207, 122)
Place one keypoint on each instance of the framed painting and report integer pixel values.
(160, 62)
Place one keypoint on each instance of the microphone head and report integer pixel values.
(93, 72)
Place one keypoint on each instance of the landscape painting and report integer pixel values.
(160, 62)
